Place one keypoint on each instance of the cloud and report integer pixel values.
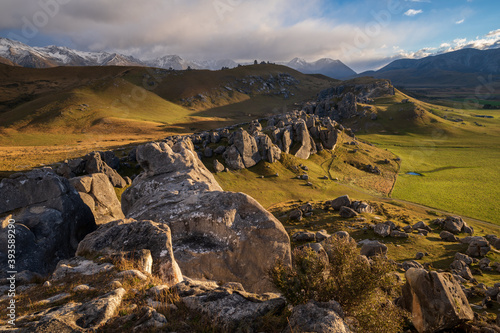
(413, 12)
(493, 33)
(460, 21)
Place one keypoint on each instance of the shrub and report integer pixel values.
(364, 290)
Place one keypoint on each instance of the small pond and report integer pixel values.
(414, 174)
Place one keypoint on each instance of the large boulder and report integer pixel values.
(341, 201)
(215, 234)
(233, 158)
(329, 137)
(98, 193)
(50, 220)
(435, 300)
(304, 139)
(318, 317)
(246, 146)
(131, 235)
(95, 164)
(348, 106)
(453, 224)
(229, 307)
(373, 248)
(478, 246)
(269, 151)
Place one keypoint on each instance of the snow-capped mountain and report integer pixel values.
(326, 66)
(51, 56)
(169, 61)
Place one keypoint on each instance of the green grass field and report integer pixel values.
(458, 160)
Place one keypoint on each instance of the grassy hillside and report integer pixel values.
(456, 153)
(82, 108)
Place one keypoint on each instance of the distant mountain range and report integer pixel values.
(326, 66)
(457, 68)
(14, 52)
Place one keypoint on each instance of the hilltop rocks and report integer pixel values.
(131, 235)
(77, 317)
(478, 246)
(448, 236)
(269, 151)
(233, 158)
(97, 192)
(341, 201)
(50, 220)
(246, 146)
(453, 224)
(318, 317)
(435, 300)
(215, 234)
(229, 307)
(218, 166)
(302, 137)
(373, 248)
(347, 212)
(382, 229)
(95, 164)
(348, 106)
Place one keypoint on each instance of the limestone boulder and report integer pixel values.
(341, 201)
(318, 317)
(50, 220)
(98, 193)
(435, 300)
(301, 135)
(233, 158)
(229, 307)
(453, 224)
(246, 146)
(131, 235)
(215, 234)
(218, 166)
(373, 248)
(95, 164)
(269, 151)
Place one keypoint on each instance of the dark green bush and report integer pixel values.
(364, 290)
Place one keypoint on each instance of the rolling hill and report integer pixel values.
(131, 100)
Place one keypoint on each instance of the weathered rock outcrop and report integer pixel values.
(267, 149)
(230, 307)
(318, 317)
(50, 220)
(130, 235)
(302, 137)
(97, 192)
(435, 300)
(246, 146)
(216, 235)
(95, 164)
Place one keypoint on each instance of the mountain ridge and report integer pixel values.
(458, 68)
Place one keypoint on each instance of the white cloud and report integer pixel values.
(460, 21)
(493, 33)
(413, 12)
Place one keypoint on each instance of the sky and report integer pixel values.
(364, 34)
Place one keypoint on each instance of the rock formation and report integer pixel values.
(98, 193)
(215, 234)
(435, 300)
(50, 220)
(130, 235)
